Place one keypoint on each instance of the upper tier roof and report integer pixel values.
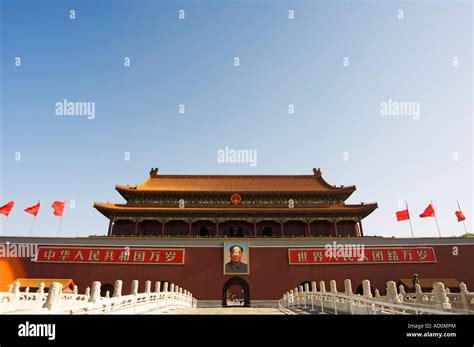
(236, 184)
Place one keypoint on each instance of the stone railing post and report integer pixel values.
(54, 295)
(165, 286)
(95, 293)
(148, 287)
(40, 295)
(314, 288)
(441, 298)
(348, 292)
(333, 288)
(306, 292)
(41, 288)
(419, 293)
(134, 290)
(300, 296)
(403, 294)
(117, 289)
(172, 287)
(322, 287)
(463, 293)
(157, 286)
(392, 295)
(377, 293)
(348, 287)
(87, 293)
(366, 289)
(75, 290)
(296, 296)
(10, 288)
(17, 286)
(16, 293)
(292, 293)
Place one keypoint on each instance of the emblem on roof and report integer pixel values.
(235, 199)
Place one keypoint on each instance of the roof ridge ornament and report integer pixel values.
(317, 172)
(154, 172)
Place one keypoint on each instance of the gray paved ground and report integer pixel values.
(236, 311)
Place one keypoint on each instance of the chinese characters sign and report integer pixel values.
(110, 255)
(369, 255)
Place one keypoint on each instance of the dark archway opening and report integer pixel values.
(236, 232)
(235, 292)
(204, 231)
(267, 232)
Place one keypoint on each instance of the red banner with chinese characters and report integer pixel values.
(361, 255)
(110, 255)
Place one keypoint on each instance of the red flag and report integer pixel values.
(460, 216)
(5, 209)
(402, 215)
(33, 209)
(58, 207)
(429, 212)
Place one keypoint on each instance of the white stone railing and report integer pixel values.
(15, 300)
(347, 302)
(461, 301)
(163, 299)
(142, 303)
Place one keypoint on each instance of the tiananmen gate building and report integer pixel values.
(227, 237)
(235, 206)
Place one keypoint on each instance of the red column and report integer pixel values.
(217, 227)
(110, 228)
(190, 233)
(335, 227)
(282, 233)
(255, 228)
(163, 227)
(360, 228)
(136, 228)
(308, 229)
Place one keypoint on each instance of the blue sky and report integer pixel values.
(191, 62)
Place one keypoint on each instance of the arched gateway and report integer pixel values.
(236, 292)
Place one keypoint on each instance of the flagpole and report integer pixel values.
(436, 219)
(33, 223)
(61, 220)
(4, 226)
(409, 219)
(463, 222)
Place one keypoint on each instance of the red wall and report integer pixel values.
(270, 274)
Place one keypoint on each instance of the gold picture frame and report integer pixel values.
(236, 261)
